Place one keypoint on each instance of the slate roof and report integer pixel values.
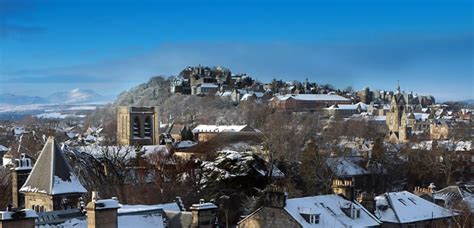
(52, 174)
(344, 167)
(329, 207)
(405, 207)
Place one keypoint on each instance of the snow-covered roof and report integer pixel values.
(312, 97)
(133, 219)
(451, 194)
(8, 215)
(203, 206)
(3, 148)
(226, 94)
(209, 85)
(185, 144)
(405, 207)
(362, 106)
(127, 208)
(107, 204)
(450, 145)
(330, 211)
(52, 174)
(421, 116)
(221, 128)
(345, 167)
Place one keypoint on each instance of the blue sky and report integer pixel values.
(110, 46)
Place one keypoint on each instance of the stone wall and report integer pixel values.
(269, 217)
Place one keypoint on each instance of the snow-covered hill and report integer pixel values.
(75, 96)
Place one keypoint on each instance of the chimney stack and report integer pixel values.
(203, 214)
(20, 173)
(274, 196)
(102, 213)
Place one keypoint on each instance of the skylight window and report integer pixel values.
(402, 201)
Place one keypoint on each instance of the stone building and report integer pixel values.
(138, 125)
(204, 133)
(396, 118)
(365, 95)
(344, 111)
(312, 211)
(306, 102)
(440, 129)
(404, 209)
(52, 185)
(405, 118)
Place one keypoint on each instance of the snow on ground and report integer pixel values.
(129, 151)
(58, 115)
(450, 145)
(85, 107)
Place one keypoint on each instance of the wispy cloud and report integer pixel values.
(422, 63)
(18, 31)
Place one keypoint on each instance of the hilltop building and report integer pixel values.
(306, 102)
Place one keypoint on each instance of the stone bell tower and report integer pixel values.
(138, 125)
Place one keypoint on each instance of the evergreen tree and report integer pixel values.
(378, 152)
(308, 168)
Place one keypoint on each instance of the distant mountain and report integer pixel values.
(469, 102)
(8, 98)
(75, 96)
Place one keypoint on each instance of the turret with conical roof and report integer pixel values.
(52, 185)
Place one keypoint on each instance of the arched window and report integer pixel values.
(136, 127)
(147, 127)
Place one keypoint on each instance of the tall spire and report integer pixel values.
(398, 87)
(52, 174)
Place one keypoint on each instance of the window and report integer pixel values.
(147, 127)
(136, 127)
(412, 200)
(311, 218)
(314, 219)
(402, 201)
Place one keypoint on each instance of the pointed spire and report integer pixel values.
(398, 87)
(52, 174)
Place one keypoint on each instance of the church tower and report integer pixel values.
(396, 117)
(138, 125)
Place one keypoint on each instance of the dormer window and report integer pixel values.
(309, 215)
(311, 218)
(314, 219)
